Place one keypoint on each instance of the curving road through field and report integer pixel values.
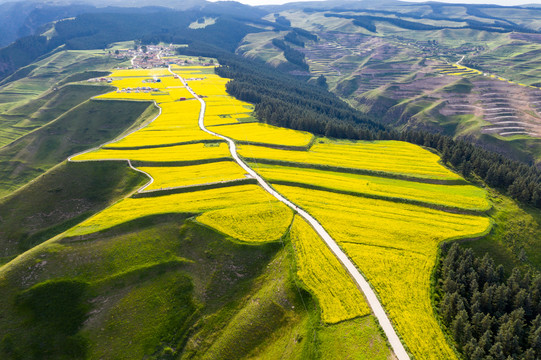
(370, 295)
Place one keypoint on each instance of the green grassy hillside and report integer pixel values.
(164, 287)
(59, 199)
(50, 71)
(515, 239)
(43, 90)
(83, 127)
(37, 112)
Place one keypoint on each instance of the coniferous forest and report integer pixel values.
(282, 100)
(490, 316)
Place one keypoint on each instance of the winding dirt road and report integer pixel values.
(365, 287)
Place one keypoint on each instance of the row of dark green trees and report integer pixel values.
(284, 101)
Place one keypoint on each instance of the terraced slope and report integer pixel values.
(388, 204)
(38, 93)
(511, 108)
(46, 114)
(406, 75)
(394, 243)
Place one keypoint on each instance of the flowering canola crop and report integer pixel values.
(190, 152)
(392, 242)
(325, 277)
(393, 157)
(170, 177)
(395, 245)
(253, 223)
(267, 134)
(466, 197)
(234, 197)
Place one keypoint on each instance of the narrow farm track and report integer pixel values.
(362, 283)
(151, 179)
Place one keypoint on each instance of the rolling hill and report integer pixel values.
(372, 194)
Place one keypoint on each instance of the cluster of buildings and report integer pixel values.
(101, 80)
(153, 56)
(142, 89)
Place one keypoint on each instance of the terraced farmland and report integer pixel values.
(265, 134)
(359, 216)
(171, 177)
(393, 158)
(464, 197)
(191, 152)
(408, 233)
(409, 79)
(403, 241)
(388, 204)
(230, 198)
(511, 108)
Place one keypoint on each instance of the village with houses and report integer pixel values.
(152, 56)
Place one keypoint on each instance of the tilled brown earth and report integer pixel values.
(510, 109)
(358, 65)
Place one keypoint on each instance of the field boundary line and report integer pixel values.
(349, 170)
(420, 203)
(143, 147)
(364, 286)
(193, 188)
(145, 124)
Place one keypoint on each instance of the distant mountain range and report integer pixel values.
(24, 18)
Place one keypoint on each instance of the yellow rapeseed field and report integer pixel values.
(383, 223)
(395, 246)
(254, 223)
(458, 70)
(189, 152)
(160, 96)
(263, 133)
(212, 85)
(394, 157)
(225, 108)
(402, 280)
(460, 196)
(180, 114)
(177, 123)
(226, 100)
(168, 177)
(234, 197)
(150, 137)
(153, 84)
(318, 268)
(222, 120)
